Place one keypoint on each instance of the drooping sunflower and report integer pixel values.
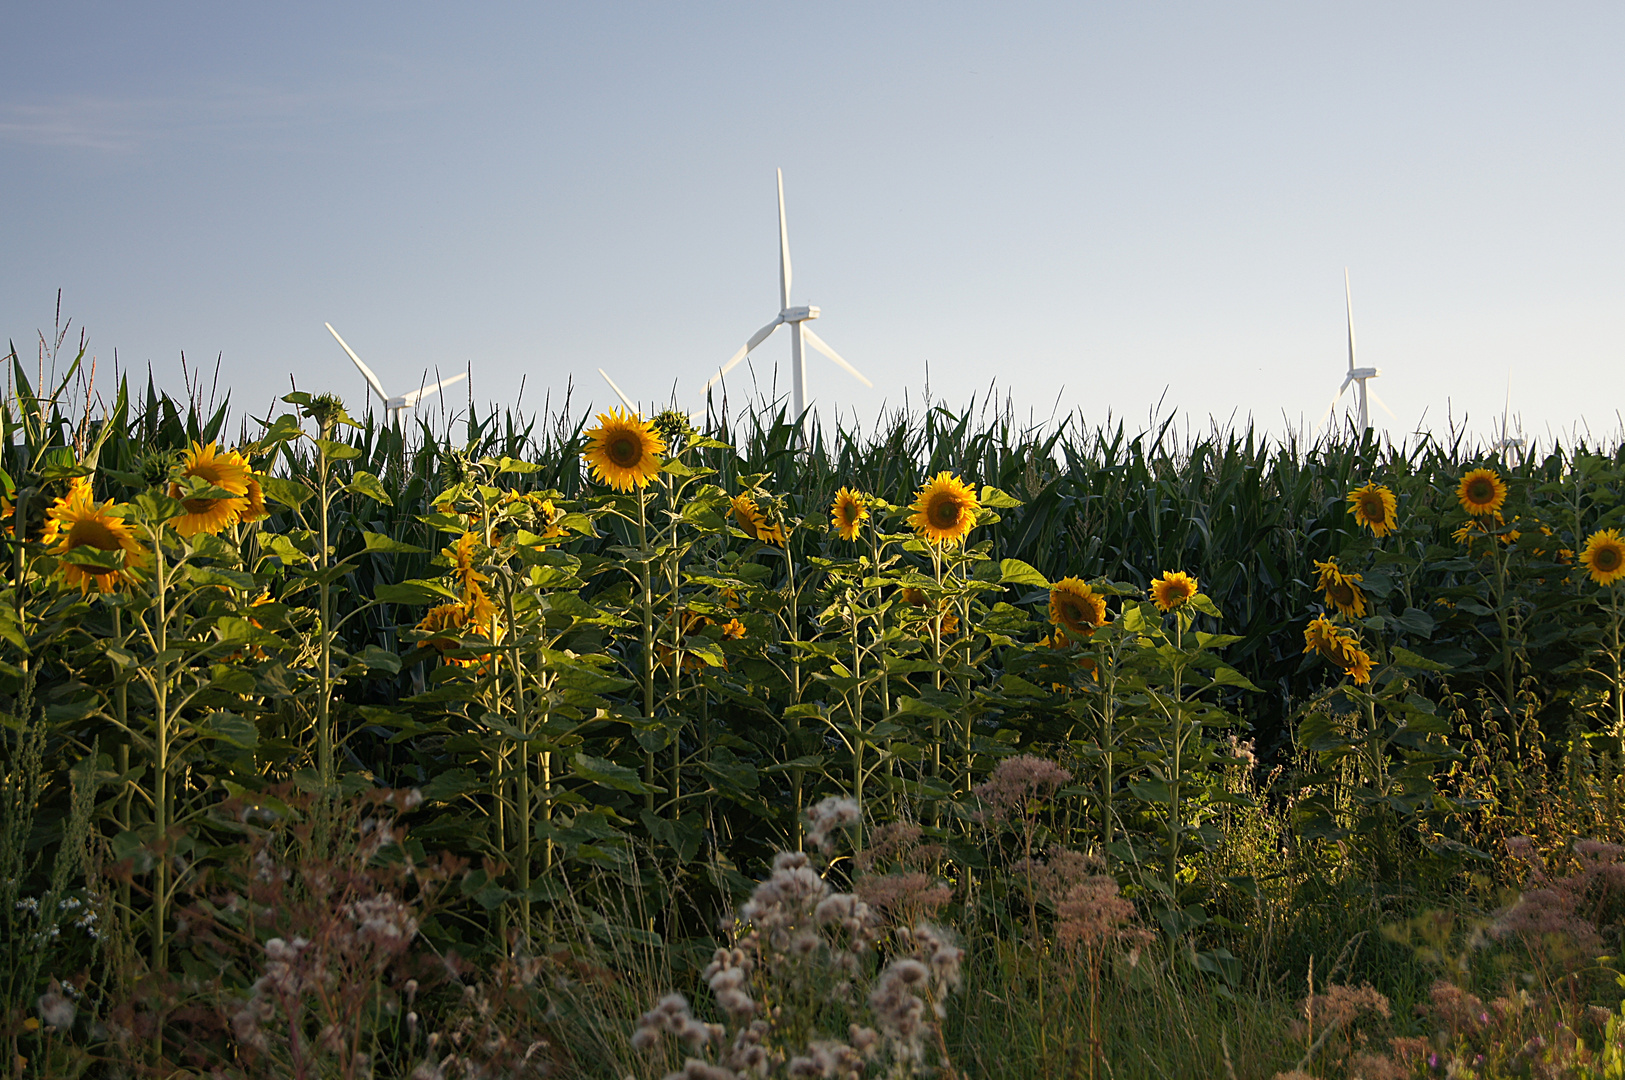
(227, 471)
(847, 513)
(77, 520)
(1325, 637)
(1357, 665)
(1075, 608)
(944, 510)
(461, 555)
(747, 515)
(1604, 556)
(1342, 590)
(1374, 507)
(755, 524)
(1173, 588)
(549, 516)
(622, 450)
(1481, 492)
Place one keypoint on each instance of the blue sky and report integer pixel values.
(1096, 205)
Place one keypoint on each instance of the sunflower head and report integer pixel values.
(1357, 665)
(672, 426)
(847, 513)
(77, 521)
(1342, 591)
(623, 451)
(227, 471)
(747, 515)
(1324, 637)
(944, 510)
(1481, 492)
(1374, 507)
(442, 620)
(1604, 556)
(1173, 589)
(1075, 608)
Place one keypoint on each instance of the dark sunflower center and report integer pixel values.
(1480, 491)
(849, 514)
(1373, 509)
(1071, 613)
(199, 506)
(1341, 592)
(624, 450)
(92, 534)
(1607, 559)
(944, 512)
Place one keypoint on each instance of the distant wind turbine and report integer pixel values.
(393, 406)
(1356, 375)
(796, 318)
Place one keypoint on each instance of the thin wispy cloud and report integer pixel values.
(127, 124)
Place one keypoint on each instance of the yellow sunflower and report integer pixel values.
(1172, 589)
(550, 517)
(848, 513)
(1357, 665)
(1481, 492)
(755, 524)
(75, 521)
(623, 452)
(944, 510)
(747, 515)
(1604, 556)
(733, 630)
(223, 470)
(1324, 637)
(1342, 591)
(254, 496)
(1075, 608)
(1374, 507)
(461, 555)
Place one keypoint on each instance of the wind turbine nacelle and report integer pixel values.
(798, 314)
(1365, 373)
(396, 403)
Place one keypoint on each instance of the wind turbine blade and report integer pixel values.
(418, 395)
(1332, 405)
(784, 250)
(1348, 299)
(818, 343)
(366, 372)
(631, 408)
(744, 351)
(1372, 394)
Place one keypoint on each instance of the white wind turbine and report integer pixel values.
(796, 318)
(1356, 375)
(393, 406)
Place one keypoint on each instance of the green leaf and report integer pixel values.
(337, 451)
(364, 483)
(290, 493)
(1016, 572)
(379, 659)
(608, 774)
(999, 500)
(386, 545)
(415, 591)
(231, 728)
(1406, 658)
